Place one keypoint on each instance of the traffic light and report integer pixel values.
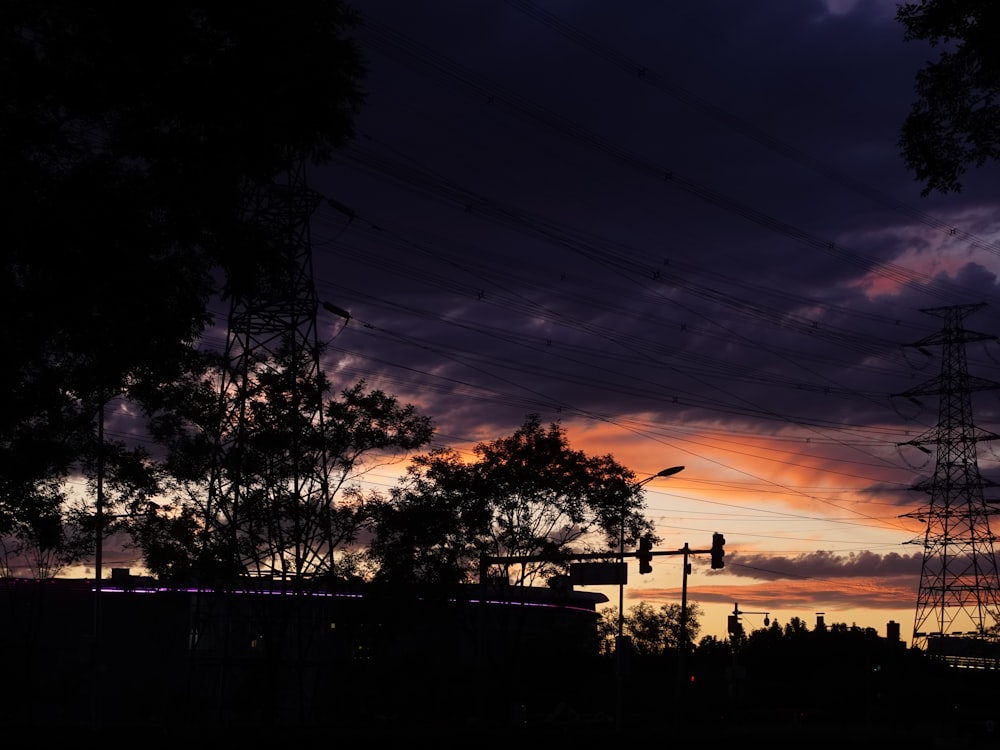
(645, 555)
(718, 541)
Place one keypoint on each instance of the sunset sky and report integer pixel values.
(684, 231)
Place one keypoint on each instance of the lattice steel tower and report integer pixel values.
(959, 587)
(269, 521)
(269, 494)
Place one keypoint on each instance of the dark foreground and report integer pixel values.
(829, 733)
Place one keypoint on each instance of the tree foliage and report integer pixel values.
(527, 495)
(127, 154)
(289, 500)
(955, 120)
(129, 135)
(654, 631)
(39, 537)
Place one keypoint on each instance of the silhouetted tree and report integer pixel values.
(839, 672)
(44, 528)
(128, 137)
(41, 536)
(362, 429)
(654, 631)
(796, 625)
(955, 121)
(712, 646)
(526, 495)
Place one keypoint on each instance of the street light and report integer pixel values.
(621, 548)
(619, 651)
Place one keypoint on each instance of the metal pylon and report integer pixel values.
(959, 586)
(269, 493)
(268, 514)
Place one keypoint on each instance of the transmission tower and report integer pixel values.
(959, 587)
(269, 492)
(268, 520)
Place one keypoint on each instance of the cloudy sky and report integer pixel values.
(684, 231)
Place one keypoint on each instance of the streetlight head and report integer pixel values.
(662, 473)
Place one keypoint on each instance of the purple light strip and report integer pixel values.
(326, 594)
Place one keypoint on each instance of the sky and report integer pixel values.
(684, 232)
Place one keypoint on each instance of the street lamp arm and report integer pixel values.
(662, 473)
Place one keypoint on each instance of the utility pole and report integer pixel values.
(682, 644)
(959, 592)
(98, 654)
(623, 645)
(718, 554)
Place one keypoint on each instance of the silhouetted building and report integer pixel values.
(146, 655)
(892, 630)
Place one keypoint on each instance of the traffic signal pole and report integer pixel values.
(644, 554)
(682, 644)
(718, 553)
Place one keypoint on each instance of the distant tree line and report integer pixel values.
(788, 674)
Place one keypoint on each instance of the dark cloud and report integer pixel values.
(683, 230)
(826, 565)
